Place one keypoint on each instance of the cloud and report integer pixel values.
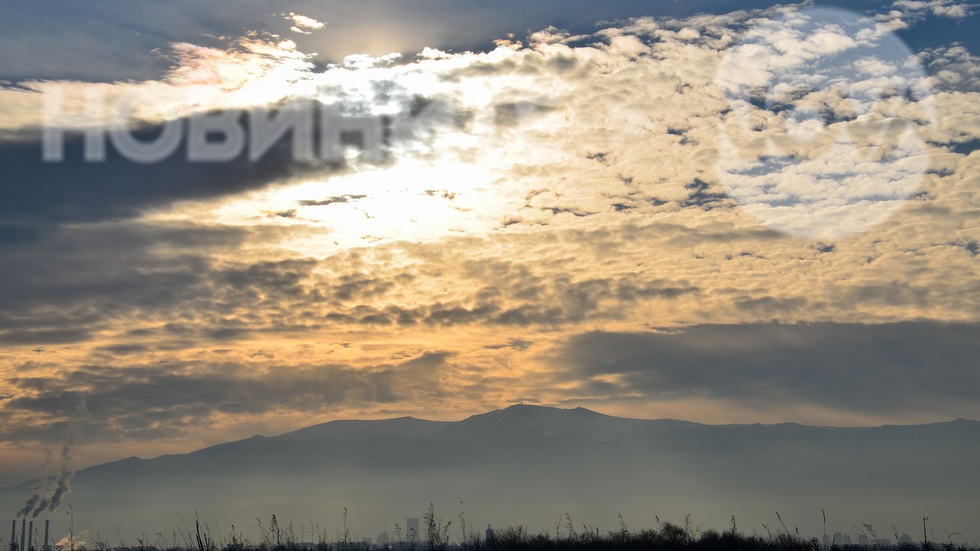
(38, 192)
(954, 68)
(943, 8)
(878, 369)
(593, 180)
(817, 373)
(303, 24)
(153, 401)
(346, 198)
(793, 121)
(119, 40)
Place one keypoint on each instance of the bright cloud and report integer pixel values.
(944, 8)
(303, 24)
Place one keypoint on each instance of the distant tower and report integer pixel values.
(489, 535)
(412, 529)
(13, 535)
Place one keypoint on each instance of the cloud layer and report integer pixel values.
(551, 223)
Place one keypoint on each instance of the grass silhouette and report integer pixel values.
(666, 536)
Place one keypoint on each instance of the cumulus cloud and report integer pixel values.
(442, 123)
(954, 68)
(943, 8)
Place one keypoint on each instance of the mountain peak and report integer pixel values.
(533, 416)
(554, 408)
(532, 407)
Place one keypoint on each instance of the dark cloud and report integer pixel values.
(126, 349)
(346, 198)
(523, 298)
(683, 236)
(173, 279)
(44, 336)
(970, 245)
(92, 274)
(165, 399)
(894, 368)
(768, 306)
(39, 193)
(702, 195)
(177, 284)
(515, 344)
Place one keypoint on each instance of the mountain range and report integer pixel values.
(529, 465)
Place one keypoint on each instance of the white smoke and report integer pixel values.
(50, 492)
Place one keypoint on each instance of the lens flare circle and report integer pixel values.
(823, 135)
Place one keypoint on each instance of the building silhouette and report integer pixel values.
(412, 529)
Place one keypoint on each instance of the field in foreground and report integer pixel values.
(436, 535)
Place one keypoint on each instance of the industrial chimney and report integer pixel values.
(13, 535)
(23, 533)
(47, 522)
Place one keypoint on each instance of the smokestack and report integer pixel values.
(30, 535)
(13, 535)
(23, 533)
(47, 522)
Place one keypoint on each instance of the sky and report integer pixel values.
(716, 212)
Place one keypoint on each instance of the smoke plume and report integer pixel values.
(29, 505)
(63, 485)
(46, 499)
